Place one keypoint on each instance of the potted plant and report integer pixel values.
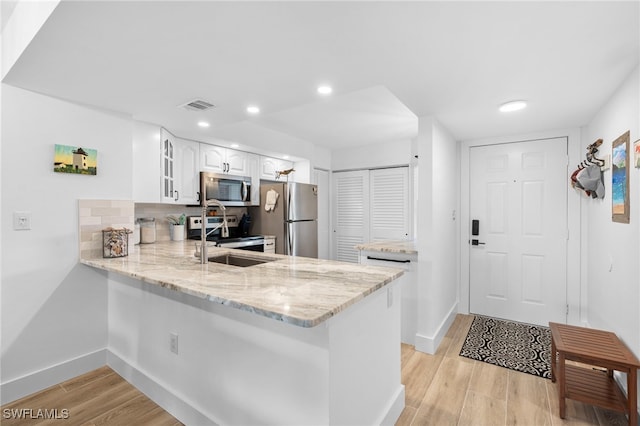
(176, 226)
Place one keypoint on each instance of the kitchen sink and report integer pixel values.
(237, 260)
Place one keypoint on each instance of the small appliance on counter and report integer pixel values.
(147, 230)
(236, 239)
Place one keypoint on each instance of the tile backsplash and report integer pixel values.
(96, 215)
(160, 212)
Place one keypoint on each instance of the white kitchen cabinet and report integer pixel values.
(269, 166)
(253, 163)
(408, 284)
(165, 168)
(218, 159)
(270, 244)
(167, 142)
(186, 171)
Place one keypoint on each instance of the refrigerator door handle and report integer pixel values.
(289, 238)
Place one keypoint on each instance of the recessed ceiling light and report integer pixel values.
(252, 109)
(325, 90)
(235, 145)
(512, 106)
(203, 124)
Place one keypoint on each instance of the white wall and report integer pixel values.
(26, 20)
(613, 249)
(386, 154)
(438, 191)
(53, 309)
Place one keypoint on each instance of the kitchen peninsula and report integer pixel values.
(290, 341)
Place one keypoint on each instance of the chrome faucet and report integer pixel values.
(203, 227)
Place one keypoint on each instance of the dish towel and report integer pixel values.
(272, 199)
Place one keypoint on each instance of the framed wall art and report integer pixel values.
(620, 179)
(77, 160)
(636, 153)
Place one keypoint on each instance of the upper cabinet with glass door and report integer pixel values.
(167, 141)
(180, 180)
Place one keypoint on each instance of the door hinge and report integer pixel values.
(567, 309)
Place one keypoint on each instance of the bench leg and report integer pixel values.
(632, 393)
(561, 385)
(553, 360)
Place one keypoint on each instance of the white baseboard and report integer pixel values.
(429, 344)
(177, 407)
(394, 410)
(47, 377)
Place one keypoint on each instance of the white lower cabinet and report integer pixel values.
(408, 284)
(270, 245)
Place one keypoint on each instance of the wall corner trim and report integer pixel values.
(429, 344)
(158, 393)
(42, 379)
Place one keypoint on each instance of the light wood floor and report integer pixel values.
(447, 389)
(441, 389)
(100, 397)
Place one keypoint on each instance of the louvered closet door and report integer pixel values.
(351, 213)
(389, 204)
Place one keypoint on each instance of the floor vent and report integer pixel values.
(197, 105)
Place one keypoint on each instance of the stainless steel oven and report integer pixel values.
(243, 243)
(235, 240)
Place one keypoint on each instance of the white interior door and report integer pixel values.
(518, 194)
(351, 213)
(389, 198)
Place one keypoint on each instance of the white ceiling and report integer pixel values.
(388, 62)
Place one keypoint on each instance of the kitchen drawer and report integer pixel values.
(270, 245)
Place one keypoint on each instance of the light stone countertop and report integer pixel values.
(297, 290)
(395, 246)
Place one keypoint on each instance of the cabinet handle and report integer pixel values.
(177, 196)
(389, 260)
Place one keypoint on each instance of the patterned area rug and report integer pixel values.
(517, 346)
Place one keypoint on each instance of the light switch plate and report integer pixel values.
(21, 221)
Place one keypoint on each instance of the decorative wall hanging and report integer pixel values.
(588, 175)
(71, 159)
(620, 179)
(636, 153)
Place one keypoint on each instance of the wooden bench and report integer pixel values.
(595, 348)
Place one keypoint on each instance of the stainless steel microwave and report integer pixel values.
(230, 190)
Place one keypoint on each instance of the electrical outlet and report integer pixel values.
(21, 221)
(173, 342)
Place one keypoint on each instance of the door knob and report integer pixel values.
(476, 242)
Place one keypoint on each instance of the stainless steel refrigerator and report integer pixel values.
(292, 220)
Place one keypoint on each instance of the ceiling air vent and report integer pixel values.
(197, 105)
